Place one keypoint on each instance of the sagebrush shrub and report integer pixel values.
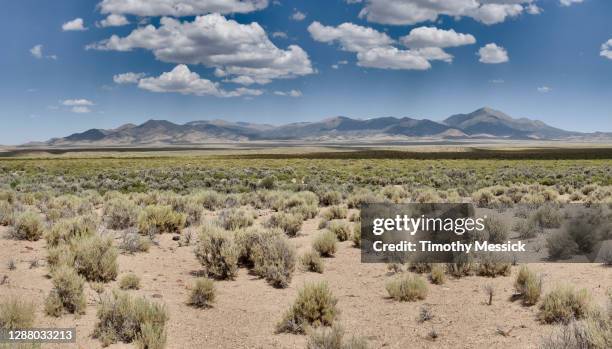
(528, 228)
(287, 222)
(496, 229)
(156, 219)
(202, 293)
(528, 285)
(236, 218)
(133, 242)
(406, 288)
(274, 259)
(325, 243)
(335, 212)
(246, 239)
(312, 261)
(333, 338)
(217, 252)
(548, 216)
(67, 293)
(120, 213)
(129, 281)
(95, 258)
(330, 198)
(438, 274)
(357, 234)
(124, 318)
(210, 200)
(7, 213)
(27, 226)
(16, 314)
(67, 229)
(341, 229)
(593, 332)
(564, 304)
(314, 306)
(492, 266)
(560, 245)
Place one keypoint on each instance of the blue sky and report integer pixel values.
(284, 61)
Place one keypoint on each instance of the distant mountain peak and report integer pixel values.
(485, 122)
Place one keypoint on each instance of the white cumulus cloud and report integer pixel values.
(298, 16)
(410, 12)
(128, 78)
(606, 49)
(292, 93)
(180, 8)
(37, 51)
(184, 81)
(233, 49)
(77, 102)
(434, 37)
(114, 20)
(569, 2)
(76, 24)
(493, 54)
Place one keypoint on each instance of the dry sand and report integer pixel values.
(247, 309)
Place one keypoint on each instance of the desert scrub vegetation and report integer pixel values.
(16, 313)
(129, 281)
(330, 198)
(287, 222)
(528, 286)
(132, 242)
(66, 229)
(95, 258)
(202, 293)
(7, 213)
(341, 229)
(325, 243)
(217, 252)
(407, 288)
(497, 231)
(120, 213)
(236, 218)
(357, 234)
(273, 258)
(438, 274)
(122, 317)
(67, 293)
(333, 338)
(314, 306)
(492, 266)
(335, 212)
(564, 304)
(27, 226)
(311, 261)
(158, 219)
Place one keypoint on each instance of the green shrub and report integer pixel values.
(217, 252)
(330, 198)
(333, 338)
(246, 239)
(120, 213)
(67, 229)
(341, 229)
(202, 293)
(193, 212)
(27, 226)
(289, 223)
(157, 219)
(335, 212)
(357, 234)
(210, 200)
(406, 288)
(314, 306)
(496, 229)
(273, 258)
(548, 216)
(492, 266)
(311, 261)
(129, 281)
(564, 304)
(95, 258)
(133, 242)
(124, 318)
(560, 245)
(67, 293)
(7, 213)
(235, 218)
(528, 285)
(528, 228)
(325, 243)
(593, 332)
(438, 274)
(16, 314)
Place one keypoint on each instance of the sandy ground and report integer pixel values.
(247, 309)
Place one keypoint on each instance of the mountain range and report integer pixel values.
(484, 123)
